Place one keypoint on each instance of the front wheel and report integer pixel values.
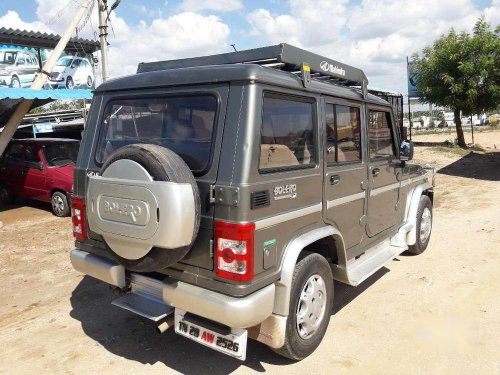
(424, 226)
(311, 304)
(60, 206)
(69, 83)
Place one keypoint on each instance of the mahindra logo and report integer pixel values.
(327, 67)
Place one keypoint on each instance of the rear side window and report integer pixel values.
(380, 135)
(31, 157)
(343, 134)
(287, 133)
(14, 154)
(184, 124)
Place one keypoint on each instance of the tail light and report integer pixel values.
(78, 217)
(234, 250)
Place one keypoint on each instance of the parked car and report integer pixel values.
(17, 68)
(71, 72)
(40, 169)
(224, 195)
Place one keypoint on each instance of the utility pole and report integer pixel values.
(103, 34)
(23, 107)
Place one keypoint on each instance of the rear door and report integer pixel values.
(383, 163)
(11, 168)
(345, 169)
(190, 122)
(34, 176)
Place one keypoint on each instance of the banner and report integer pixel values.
(20, 65)
(413, 91)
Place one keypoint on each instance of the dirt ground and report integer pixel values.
(438, 313)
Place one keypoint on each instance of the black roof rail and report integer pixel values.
(282, 57)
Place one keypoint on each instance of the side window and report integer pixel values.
(287, 132)
(14, 154)
(31, 158)
(21, 59)
(343, 134)
(380, 135)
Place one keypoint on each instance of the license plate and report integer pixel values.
(233, 344)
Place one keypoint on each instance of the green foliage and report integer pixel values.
(59, 105)
(460, 71)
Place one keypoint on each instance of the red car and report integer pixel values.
(40, 169)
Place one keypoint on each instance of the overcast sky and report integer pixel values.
(374, 35)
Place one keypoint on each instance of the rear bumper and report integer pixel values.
(234, 312)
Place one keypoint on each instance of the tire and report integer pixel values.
(60, 205)
(15, 83)
(69, 83)
(163, 165)
(90, 82)
(424, 226)
(297, 346)
(6, 195)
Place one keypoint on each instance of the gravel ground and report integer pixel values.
(434, 313)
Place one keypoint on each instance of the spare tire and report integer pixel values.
(163, 165)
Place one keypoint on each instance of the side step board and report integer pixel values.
(358, 270)
(145, 299)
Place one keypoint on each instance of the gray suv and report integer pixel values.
(223, 195)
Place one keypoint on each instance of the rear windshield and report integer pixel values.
(59, 154)
(184, 124)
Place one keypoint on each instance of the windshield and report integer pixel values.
(60, 154)
(8, 57)
(183, 124)
(64, 62)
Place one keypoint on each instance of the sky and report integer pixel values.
(374, 35)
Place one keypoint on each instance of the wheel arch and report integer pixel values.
(412, 207)
(308, 241)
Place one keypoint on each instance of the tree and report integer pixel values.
(460, 72)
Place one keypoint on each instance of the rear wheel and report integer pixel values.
(6, 196)
(15, 83)
(424, 226)
(60, 206)
(161, 164)
(311, 303)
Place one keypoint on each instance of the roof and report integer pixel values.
(10, 98)
(282, 57)
(229, 73)
(10, 93)
(35, 39)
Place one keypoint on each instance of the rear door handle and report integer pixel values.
(334, 179)
(375, 172)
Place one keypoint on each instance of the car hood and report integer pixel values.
(58, 69)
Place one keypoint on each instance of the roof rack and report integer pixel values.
(284, 57)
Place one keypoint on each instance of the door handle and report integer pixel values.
(375, 172)
(334, 179)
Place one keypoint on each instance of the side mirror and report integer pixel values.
(406, 151)
(39, 165)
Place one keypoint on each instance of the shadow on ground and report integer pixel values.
(26, 203)
(474, 165)
(134, 338)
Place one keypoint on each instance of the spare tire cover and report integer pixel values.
(163, 165)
